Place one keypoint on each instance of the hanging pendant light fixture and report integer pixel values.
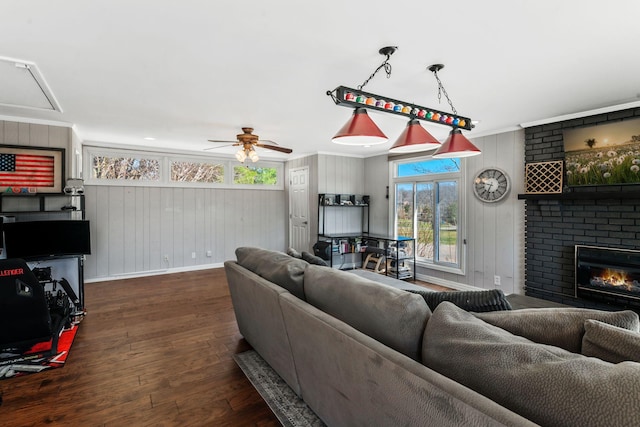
(456, 145)
(414, 138)
(360, 129)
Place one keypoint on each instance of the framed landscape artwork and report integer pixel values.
(31, 170)
(604, 154)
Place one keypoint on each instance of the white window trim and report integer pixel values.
(462, 194)
(165, 172)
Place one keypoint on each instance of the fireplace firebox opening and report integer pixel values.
(609, 271)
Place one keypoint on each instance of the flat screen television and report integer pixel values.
(41, 239)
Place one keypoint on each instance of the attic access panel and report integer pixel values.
(22, 85)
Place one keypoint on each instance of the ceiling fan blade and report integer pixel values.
(273, 147)
(221, 140)
(221, 146)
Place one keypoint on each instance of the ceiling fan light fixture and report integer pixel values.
(241, 156)
(456, 145)
(248, 142)
(414, 138)
(360, 130)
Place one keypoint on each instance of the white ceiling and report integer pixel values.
(188, 71)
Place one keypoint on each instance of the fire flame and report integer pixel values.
(615, 278)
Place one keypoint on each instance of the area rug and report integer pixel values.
(283, 401)
(39, 357)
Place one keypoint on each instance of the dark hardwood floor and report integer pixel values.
(152, 351)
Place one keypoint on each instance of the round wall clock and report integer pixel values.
(491, 185)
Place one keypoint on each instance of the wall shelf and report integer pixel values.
(23, 205)
(344, 244)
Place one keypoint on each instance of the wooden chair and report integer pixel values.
(374, 261)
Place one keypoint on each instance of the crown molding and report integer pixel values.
(581, 114)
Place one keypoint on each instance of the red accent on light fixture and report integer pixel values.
(360, 130)
(456, 145)
(414, 138)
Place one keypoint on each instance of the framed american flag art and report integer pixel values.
(31, 170)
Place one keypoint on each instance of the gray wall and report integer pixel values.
(495, 231)
(35, 135)
(329, 174)
(376, 180)
(133, 229)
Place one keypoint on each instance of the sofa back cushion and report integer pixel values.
(610, 343)
(312, 259)
(276, 267)
(546, 384)
(478, 301)
(391, 316)
(560, 327)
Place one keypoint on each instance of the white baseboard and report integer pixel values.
(447, 283)
(154, 272)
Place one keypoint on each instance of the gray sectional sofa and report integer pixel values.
(363, 353)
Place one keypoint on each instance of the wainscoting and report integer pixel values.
(138, 230)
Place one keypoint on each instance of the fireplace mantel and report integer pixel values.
(582, 195)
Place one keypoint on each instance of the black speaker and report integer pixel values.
(322, 250)
(24, 312)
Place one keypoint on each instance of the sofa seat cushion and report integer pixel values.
(391, 316)
(610, 343)
(560, 327)
(543, 383)
(477, 301)
(276, 267)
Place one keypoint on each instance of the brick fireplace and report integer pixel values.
(600, 216)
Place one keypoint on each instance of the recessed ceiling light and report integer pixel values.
(149, 138)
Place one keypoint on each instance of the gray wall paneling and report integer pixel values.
(133, 228)
(376, 180)
(36, 135)
(341, 175)
(495, 231)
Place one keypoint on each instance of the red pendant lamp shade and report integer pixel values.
(414, 138)
(456, 145)
(360, 130)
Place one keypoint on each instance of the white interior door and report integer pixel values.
(299, 209)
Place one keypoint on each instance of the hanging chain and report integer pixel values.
(387, 69)
(442, 90)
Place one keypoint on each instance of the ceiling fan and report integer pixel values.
(248, 141)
